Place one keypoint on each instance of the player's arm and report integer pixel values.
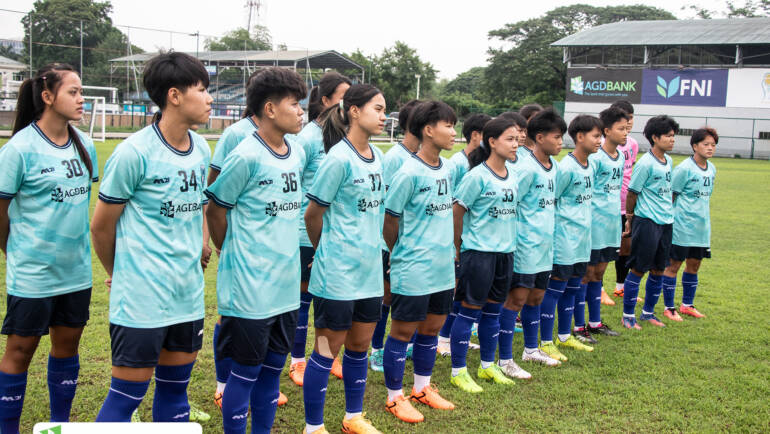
(401, 190)
(390, 230)
(206, 253)
(103, 232)
(630, 207)
(458, 212)
(216, 217)
(314, 222)
(5, 223)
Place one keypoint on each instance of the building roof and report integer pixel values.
(6, 63)
(316, 58)
(673, 32)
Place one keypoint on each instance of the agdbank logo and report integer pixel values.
(576, 85)
(579, 87)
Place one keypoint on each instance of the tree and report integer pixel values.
(468, 82)
(394, 73)
(240, 39)
(533, 71)
(749, 9)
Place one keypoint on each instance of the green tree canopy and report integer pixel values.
(241, 39)
(529, 69)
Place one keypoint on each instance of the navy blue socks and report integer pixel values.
(62, 384)
(354, 371)
(530, 322)
(264, 394)
(222, 365)
(567, 306)
(393, 363)
(652, 293)
(314, 387)
(552, 295)
(669, 291)
(689, 286)
(122, 399)
(12, 388)
(461, 335)
(450, 320)
(235, 402)
(424, 354)
(630, 292)
(489, 330)
(300, 335)
(505, 339)
(379, 331)
(170, 401)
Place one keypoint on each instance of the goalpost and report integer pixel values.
(100, 105)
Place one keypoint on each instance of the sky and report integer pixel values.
(450, 34)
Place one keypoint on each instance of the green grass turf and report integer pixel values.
(701, 375)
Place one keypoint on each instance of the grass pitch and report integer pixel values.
(711, 374)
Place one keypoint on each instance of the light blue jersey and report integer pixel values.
(461, 166)
(48, 250)
(257, 276)
(693, 186)
(348, 261)
(230, 138)
(605, 205)
(157, 278)
(312, 142)
(535, 216)
(422, 261)
(572, 231)
(489, 223)
(394, 159)
(523, 152)
(651, 181)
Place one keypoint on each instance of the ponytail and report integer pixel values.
(335, 121)
(478, 155)
(492, 130)
(30, 105)
(325, 88)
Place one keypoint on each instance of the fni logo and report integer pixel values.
(685, 87)
(576, 85)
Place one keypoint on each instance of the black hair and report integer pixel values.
(30, 105)
(624, 105)
(474, 122)
(583, 124)
(335, 121)
(544, 122)
(518, 119)
(530, 110)
(405, 112)
(247, 111)
(273, 83)
(660, 126)
(612, 115)
(173, 69)
(493, 129)
(701, 133)
(325, 88)
(429, 113)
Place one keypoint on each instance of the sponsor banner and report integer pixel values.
(696, 87)
(604, 85)
(117, 428)
(748, 87)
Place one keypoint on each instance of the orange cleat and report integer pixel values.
(297, 373)
(359, 425)
(403, 409)
(218, 399)
(691, 311)
(430, 397)
(282, 399)
(337, 368)
(606, 299)
(672, 315)
(618, 292)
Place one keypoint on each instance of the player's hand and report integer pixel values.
(627, 229)
(205, 256)
(108, 282)
(219, 252)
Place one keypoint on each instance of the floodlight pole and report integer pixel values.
(31, 72)
(81, 50)
(417, 76)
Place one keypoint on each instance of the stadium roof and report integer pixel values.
(289, 58)
(736, 31)
(6, 63)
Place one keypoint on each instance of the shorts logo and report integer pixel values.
(168, 209)
(364, 205)
(273, 208)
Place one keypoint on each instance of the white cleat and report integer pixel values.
(540, 357)
(443, 349)
(472, 346)
(511, 369)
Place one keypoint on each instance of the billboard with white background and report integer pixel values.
(748, 87)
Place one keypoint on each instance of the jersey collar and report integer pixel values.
(275, 154)
(579, 163)
(366, 160)
(168, 145)
(437, 167)
(507, 172)
(51, 142)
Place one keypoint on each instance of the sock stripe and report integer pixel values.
(354, 358)
(467, 317)
(127, 395)
(172, 381)
(275, 368)
(241, 377)
(319, 365)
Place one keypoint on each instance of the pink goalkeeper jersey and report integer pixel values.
(629, 150)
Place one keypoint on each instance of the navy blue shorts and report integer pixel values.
(140, 348)
(386, 266)
(413, 308)
(607, 254)
(339, 314)
(680, 253)
(26, 316)
(247, 340)
(650, 245)
(531, 281)
(306, 255)
(484, 276)
(565, 272)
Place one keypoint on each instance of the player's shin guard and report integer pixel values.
(630, 293)
(652, 293)
(264, 394)
(489, 330)
(170, 401)
(461, 335)
(507, 327)
(552, 295)
(594, 300)
(530, 322)
(689, 286)
(568, 304)
(300, 335)
(122, 399)
(314, 387)
(354, 372)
